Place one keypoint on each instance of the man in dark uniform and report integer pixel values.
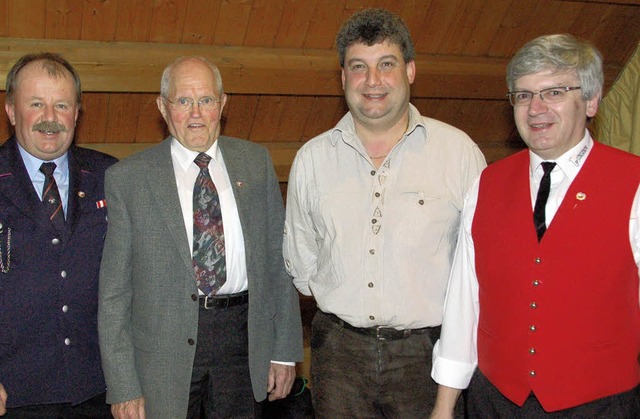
(52, 225)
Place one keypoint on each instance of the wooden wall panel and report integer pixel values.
(232, 22)
(26, 19)
(489, 21)
(324, 26)
(200, 22)
(242, 109)
(122, 117)
(92, 126)
(99, 19)
(151, 127)
(63, 19)
(167, 21)
(268, 115)
(461, 27)
(295, 23)
(264, 22)
(134, 20)
(293, 119)
(437, 23)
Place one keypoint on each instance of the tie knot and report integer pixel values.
(202, 160)
(48, 168)
(548, 166)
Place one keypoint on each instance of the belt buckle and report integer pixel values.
(208, 303)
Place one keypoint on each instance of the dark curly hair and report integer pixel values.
(373, 26)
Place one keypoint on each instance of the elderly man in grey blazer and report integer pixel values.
(197, 316)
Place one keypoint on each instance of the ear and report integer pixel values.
(161, 107)
(11, 112)
(592, 105)
(411, 71)
(343, 78)
(223, 101)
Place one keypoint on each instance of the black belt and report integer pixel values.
(224, 301)
(385, 333)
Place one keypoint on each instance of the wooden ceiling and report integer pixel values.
(462, 46)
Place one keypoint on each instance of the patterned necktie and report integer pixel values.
(541, 200)
(208, 232)
(51, 196)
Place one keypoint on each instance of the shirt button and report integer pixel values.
(421, 202)
(372, 317)
(532, 373)
(373, 173)
(374, 221)
(532, 328)
(63, 274)
(372, 251)
(65, 309)
(377, 194)
(67, 341)
(533, 305)
(370, 284)
(55, 241)
(194, 297)
(191, 341)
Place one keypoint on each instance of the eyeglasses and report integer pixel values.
(184, 104)
(550, 95)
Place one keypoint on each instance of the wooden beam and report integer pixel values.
(137, 66)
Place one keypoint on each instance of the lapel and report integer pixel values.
(82, 185)
(235, 163)
(161, 181)
(17, 187)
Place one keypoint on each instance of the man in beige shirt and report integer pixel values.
(373, 209)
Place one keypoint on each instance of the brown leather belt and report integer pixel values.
(385, 333)
(224, 301)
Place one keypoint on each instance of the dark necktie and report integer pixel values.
(208, 232)
(51, 196)
(541, 200)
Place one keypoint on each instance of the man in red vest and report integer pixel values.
(544, 293)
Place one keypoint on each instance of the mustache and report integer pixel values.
(49, 126)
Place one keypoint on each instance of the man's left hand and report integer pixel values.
(280, 380)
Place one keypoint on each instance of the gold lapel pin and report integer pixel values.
(81, 194)
(581, 196)
(240, 184)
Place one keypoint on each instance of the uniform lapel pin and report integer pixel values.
(581, 196)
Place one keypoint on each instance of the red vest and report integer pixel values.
(560, 317)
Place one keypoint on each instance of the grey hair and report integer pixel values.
(167, 74)
(373, 26)
(562, 53)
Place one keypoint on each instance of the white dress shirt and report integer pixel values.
(186, 172)
(455, 354)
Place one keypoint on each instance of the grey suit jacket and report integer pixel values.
(147, 319)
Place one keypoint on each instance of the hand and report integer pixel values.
(280, 380)
(3, 400)
(445, 402)
(131, 409)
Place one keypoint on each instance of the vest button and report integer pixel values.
(533, 305)
(538, 260)
(532, 351)
(536, 283)
(532, 327)
(532, 373)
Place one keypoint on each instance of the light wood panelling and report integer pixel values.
(279, 65)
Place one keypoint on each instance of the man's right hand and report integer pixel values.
(131, 409)
(3, 400)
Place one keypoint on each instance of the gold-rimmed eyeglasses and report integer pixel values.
(183, 104)
(551, 95)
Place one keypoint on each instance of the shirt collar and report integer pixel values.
(33, 164)
(185, 157)
(345, 129)
(569, 163)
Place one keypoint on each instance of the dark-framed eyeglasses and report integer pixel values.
(551, 95)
